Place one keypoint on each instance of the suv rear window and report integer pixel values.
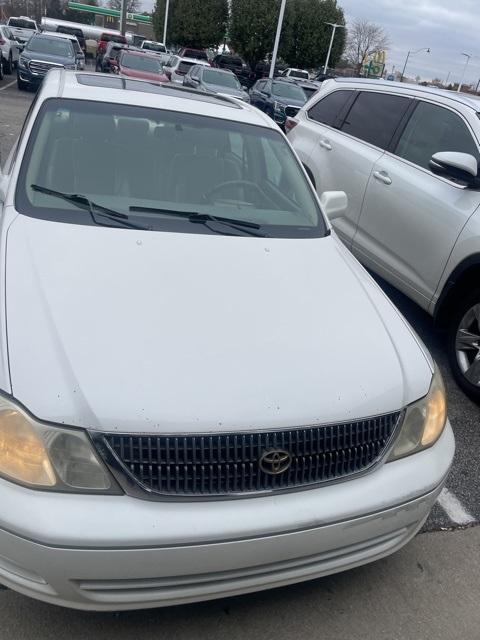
(328, 109)
(107, 37)
(375, 116)
(183, 67)
(197, 55)
(21, 23)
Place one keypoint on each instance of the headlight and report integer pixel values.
(41, 456)
(22, 62)
(424, 421)
(279, 107)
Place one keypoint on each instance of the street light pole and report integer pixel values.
(123, 17)
(277, 39)
(468, 56)
(165, 22)
(427, 49)
(334, 26)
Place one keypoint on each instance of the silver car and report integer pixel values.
(216, 81)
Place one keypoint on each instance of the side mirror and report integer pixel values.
(334, 204)
(461, 167)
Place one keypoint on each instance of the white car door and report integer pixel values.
(347, 147)
(411, 218)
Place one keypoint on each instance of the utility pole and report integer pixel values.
(468, 56)
(277, 39)
(427, 49)
(334, 28)
(123, 17)
(165, 23)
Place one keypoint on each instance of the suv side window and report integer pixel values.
(328, 109)
(431, 129)
(374, 117)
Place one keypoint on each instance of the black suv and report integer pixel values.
(279, 99)
(236, 65)
(43, 52)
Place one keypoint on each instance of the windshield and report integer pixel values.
(210, 76)
(21, 23)
(53, 46)
(289, 91)
(141, 63)
(154, 46)
(294, 73)
(309, 91)
(165, 162)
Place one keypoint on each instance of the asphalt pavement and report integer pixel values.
(428, 590)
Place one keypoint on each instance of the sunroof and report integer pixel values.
(114, 82)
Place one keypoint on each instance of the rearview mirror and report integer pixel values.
(461, 167)
(334, 204)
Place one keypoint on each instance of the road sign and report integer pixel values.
(103, 11)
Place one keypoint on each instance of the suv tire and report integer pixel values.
(23, 86)
(8, 66)
(464, 330)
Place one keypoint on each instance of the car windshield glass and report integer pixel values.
(299, 74)
(289, 91)
(21, 23)
(210, 76)
(309, 91)
(183, 67)
(141, 63)
(154, 46)
(53, 46)
(164, 162)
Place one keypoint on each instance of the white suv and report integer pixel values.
(202, 392)
(407, 157)
(9, 49)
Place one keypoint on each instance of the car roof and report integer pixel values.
(99, 87)
(414, 89)
(202, 63)
(140, 53)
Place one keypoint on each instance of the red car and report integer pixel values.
(136, 64)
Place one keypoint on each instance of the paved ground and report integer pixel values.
(429, 590)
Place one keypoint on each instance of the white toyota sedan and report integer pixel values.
(202, 392)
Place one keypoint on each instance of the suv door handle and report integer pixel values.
(325, 144)
(382, 176)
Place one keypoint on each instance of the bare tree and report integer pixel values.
(364, 39)
(133, 6)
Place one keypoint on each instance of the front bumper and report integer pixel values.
(26, 76)
(112, 553)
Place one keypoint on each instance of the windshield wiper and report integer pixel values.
(82, 202)
(203, 218)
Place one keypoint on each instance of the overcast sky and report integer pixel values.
(448, 27)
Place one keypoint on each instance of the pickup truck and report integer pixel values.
(22, 27)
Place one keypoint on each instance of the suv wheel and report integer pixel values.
(464, 345)
(9, 65)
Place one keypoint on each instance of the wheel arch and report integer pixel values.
(463, 279)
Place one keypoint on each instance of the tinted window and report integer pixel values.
(374, 117)
(432, 129)
(184, 67)
(328, 109)
(294, 73)
(22, 23)
(154, 46)
(288, 91)
(168, 161)
(52, 46)
(220, 78)
(141, 63)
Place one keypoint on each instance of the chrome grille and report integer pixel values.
(39, 68)
(291, 111)
(229, 463)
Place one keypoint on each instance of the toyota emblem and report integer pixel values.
(275, 461)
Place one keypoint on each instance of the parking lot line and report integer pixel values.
(8, 85)
(454, 508)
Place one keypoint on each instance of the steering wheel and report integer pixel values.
(235, 183)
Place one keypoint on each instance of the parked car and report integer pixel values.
(296, 73)
(22, 27)
(320, 77)
(9, 49)
(79, 54)
(236, 65)
(205, 78)
(77, 32)
(278, 98)
(136, 64)
(176, 67)
(105, 38)
(112, 51)
(407, 156)
(308, 87)
(193, 54)
(43, 52)
(154, 47)
(178, 405)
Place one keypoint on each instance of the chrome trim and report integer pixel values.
(42, 67)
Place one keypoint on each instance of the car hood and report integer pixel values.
(289, 102)
(143, 75)
(141, 331)
(47, 57)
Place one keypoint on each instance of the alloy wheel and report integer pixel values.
(467, 345)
